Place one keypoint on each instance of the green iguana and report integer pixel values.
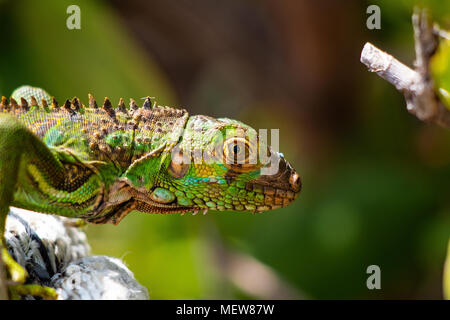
(100, 163)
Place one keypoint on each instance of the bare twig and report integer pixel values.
(390, 69)
(416, 85)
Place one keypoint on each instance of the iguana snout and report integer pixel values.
(279, 189)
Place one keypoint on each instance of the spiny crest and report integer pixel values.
(45, 105)
(133, 105)
(121, 106)
(147, 104)
(107, 106)
(4, 103)
(32, 105)
(22, 101)
(33, 102)
(24, 104)
(76, 103)
(143, 115)
(13, 103)
(67, 105)
(55, 105)
(92, 102)
(21, 107)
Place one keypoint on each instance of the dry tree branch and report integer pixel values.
(416, 85)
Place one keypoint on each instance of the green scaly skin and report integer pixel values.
(99, 164)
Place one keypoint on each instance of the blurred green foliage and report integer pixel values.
(447, 275)
(440, 67)
(380, 195)
(102, 60)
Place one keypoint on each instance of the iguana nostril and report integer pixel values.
(295, 182)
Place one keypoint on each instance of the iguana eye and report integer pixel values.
(237, 153)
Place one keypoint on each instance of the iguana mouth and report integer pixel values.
(270, 192)
(275, 197)
(279, 189)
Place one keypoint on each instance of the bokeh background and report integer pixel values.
(376, 180)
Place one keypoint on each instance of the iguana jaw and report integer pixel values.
(279, 190)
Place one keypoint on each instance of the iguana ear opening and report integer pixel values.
(178, 166)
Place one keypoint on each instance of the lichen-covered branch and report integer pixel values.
(416, 84)
(56, 254)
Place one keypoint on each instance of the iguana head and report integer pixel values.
(218, 164)
(159, 160)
